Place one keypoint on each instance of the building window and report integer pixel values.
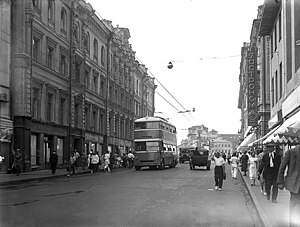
(102, 55)
(51, 8)
(63, 21)
(102, 84)
(272, 92)
(101, 123)
(87, 79)
(63, 64)
(276, 87)
(95, 83)
(62, 111)
(77, 71)
(279, 26)
(87, 117)
(76, 115)
(35, 48)
(36, 103)
(50, 56)
(95, 50)
(280, 80)
(95, 122)
(86, 42)
(50, 106)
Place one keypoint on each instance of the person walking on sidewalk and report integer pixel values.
(72, 163)
(106, 162)
(17, 163)
(234, 165)
(219, 170)
(53, 161)
(270, 166)
(260, 176)
(95, 162)
(244, 161)
(291, 182)
(252, 168)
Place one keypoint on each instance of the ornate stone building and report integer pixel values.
(73, 78)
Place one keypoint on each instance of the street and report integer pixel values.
(171, 197)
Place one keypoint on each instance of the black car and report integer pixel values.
(200, 157)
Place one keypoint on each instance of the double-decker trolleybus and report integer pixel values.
(155, 143)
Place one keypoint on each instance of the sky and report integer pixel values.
(203, 40)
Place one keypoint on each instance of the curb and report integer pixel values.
(39, 178)
(258, 207)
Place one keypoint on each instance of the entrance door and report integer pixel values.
(47, 150)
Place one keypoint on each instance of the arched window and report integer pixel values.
(86, 42)
(51, 10)
(95, 50)
(102, 55)
(63, 21)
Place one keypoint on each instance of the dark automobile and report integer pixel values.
(184, 154)
(200, 157)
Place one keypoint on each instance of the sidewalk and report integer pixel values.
(9, 179)
(272, 214)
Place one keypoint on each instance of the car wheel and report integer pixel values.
(208, 167)
(137, 168)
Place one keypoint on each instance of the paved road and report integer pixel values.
(170, 197)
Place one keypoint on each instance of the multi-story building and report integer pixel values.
(221, 145)
(73, 78)
(6, 126)
(277, 42)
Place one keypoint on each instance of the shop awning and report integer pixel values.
(260, 140)
(279, 138)
(247, 140)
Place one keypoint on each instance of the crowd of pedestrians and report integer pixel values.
(274, 170)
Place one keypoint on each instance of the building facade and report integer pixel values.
(72, 82)
(277, 42)
(6, 126)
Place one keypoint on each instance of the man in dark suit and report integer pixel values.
(269, 167)
(291, 182)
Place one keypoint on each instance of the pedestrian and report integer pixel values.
(89, 159)
(17, 163)
(68, 167)
(130, 157)
(234, 165)
(291, 182)
(228, 157)
(270, 166)
(244, 161)
(112, 159)
(124, 160)
(1, 160)
(219, 170)
(106, 162)
(72, 163)
(53, 161)
(260, 176)
(77, 155)
(252, 168)
(94, 162)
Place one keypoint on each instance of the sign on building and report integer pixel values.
(252, 86)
